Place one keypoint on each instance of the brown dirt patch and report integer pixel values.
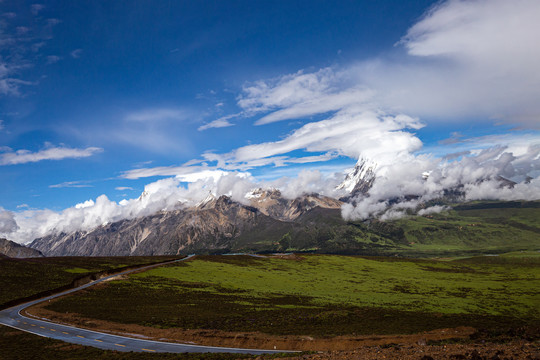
(486, 351)
(248, 339)
(287, 257)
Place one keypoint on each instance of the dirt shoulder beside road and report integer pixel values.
(247, 339)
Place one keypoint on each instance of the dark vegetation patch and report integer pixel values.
(22, 278)
(454, 269)
(510, 261)
(238, 260)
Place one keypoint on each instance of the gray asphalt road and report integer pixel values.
(12, 317)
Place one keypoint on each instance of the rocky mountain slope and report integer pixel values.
(360, 179)
(217, 225)
(12, 249)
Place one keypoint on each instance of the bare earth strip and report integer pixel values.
(246, 339)
(404, 347)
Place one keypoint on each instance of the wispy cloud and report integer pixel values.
(158, 114)
(36, 8)
(21, 46)
(161, 171)
(71, 184)
(301, 95)
(52, 59)
(49, 153)
(123, 188)
(219, 123)
(76, 53)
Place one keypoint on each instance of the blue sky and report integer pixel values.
(102, 97)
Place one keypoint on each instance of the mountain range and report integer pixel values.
(265, 221)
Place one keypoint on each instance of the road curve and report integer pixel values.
(13, 317)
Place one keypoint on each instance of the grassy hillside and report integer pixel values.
(322, 295)
(464, 230)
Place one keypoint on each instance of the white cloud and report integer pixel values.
(319, 105)
(466, 59)
(7, 222)
(286, 90)
(161, 171)
(20, 41)
(219, 123)
(70, 184)
(476, 175)
(162, 195)
(123, 188)
(351, 132)
(49, 153)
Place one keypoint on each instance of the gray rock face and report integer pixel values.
(12, 249)
(218, 225)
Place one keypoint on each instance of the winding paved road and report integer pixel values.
(12, 317)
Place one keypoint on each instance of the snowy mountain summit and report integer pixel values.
(361, 177)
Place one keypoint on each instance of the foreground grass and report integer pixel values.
(25, 277)
(322, 295)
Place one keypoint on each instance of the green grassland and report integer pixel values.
(21, 278)
(468, 229)
(322, 295)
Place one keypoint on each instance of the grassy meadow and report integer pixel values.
(322, 295)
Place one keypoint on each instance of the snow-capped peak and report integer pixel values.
(360, 177)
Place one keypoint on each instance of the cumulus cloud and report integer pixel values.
(49, 153)
(7, 222)
(163, 195)
(418, 179)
